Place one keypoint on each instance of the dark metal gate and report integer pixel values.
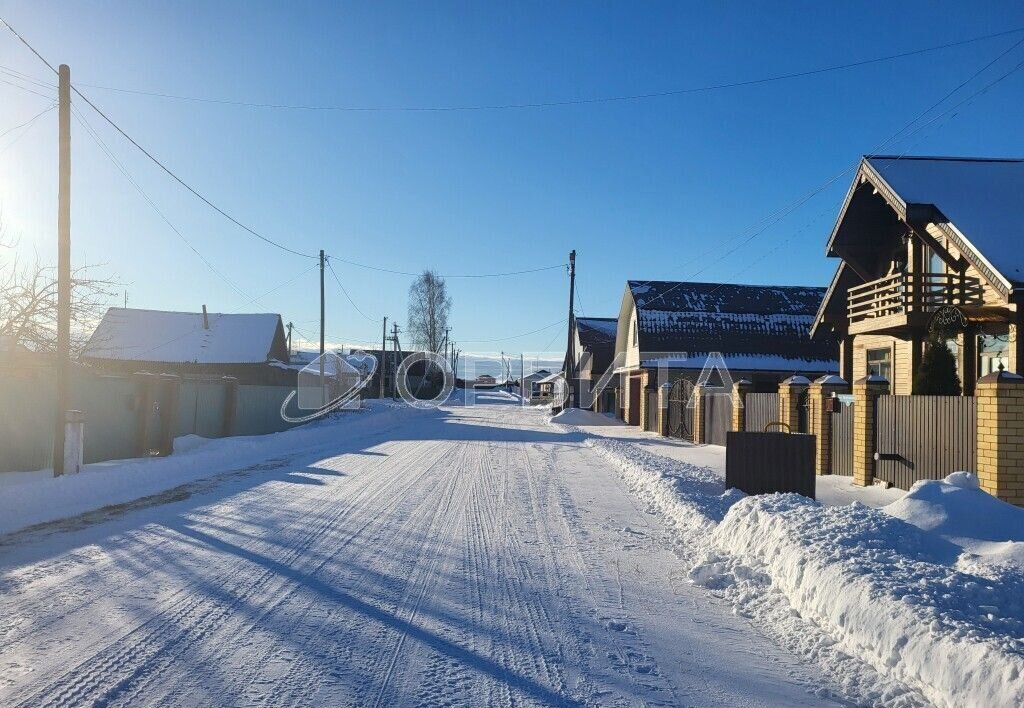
(651, 421)
(924, 437)
(842, 437)
(717, 418)
(761, 409)
(680, 415)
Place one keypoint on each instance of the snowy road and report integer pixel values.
(469, 556)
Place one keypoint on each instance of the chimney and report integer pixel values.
(206, 319)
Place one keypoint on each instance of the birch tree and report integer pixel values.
(429, 308)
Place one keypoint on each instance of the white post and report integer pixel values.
(74, 441)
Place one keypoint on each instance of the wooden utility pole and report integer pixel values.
(63, 263)
(323, 395)
(289, 340)
(522, 374)
(394, 341)
(381, 365)
(570, 351)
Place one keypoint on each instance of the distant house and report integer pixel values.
(486, 380)
(544, 388)
(762, 332)
(927, 244)
(250, 347)
(529, 384)
(594, 348)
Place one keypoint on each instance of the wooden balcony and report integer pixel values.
(908, 299)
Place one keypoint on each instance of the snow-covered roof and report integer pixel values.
(551, 378)
(597, 336)
(181, 338)
(981, 197)
(745, 362)
(757, 320)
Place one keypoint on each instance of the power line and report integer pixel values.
(514, 336)
(345, 293)
(380, 269)
(898, 135)
(565, 102)
(124, 171)
(160, 164)
(30, 120)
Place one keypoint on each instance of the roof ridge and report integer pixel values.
(944, 158)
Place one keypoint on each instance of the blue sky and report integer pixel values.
(647, 189)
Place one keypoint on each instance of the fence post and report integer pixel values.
(1000, 400)
(865, 396)
(644, 378)
(698, 414)
(820, 418)
(790, 392)
(740, 389)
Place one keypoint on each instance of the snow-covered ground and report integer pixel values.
(928, 590)
(468, 556)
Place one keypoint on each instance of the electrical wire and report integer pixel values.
(567, 102)
(514, 336)
(347, 297)
(899, 135)
(380, 269)
(105, 149)
(26, 127)
(160, 164)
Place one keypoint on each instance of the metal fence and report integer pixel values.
(129, 416)
(680, 414)
(842, 437)
(761, 409)
(653, 417)
(924, 437)
(763, 463)
(717, 418)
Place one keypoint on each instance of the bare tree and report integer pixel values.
(28, 303)
(429, 307)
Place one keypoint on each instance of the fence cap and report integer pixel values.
(831, 380)
(743, 382)
(1001, 377)
(74, 417)
(873, 380)
(797, 380)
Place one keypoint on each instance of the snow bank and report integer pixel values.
(579, 416)
(889, 593)
(29, 498)
(892, 588)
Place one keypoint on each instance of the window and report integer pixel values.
(880, 363)
(993, 353)
(634, 328)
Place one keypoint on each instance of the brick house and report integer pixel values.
(925, 240)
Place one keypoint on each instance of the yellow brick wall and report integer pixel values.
(865, 395)
(902, 353)
(1000, 401)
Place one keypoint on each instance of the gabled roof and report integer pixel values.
(181, 338)
(597, 336)
(977, 201)
(698, 318)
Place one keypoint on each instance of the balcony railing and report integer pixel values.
(907, 293)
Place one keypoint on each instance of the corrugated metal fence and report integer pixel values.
(842, 437)
(126, 417)
(761, 409)
(717, 418)
(924, 437)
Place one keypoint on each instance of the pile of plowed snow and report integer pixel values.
(927, 591)
(583, 418)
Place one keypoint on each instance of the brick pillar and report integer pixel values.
(698, 414)
(1000, 399)
(820, 419)
(740, 389)
(790, 392)
(663, 393)
(645, 376)
(865, 394)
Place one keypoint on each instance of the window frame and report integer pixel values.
(889, 361)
